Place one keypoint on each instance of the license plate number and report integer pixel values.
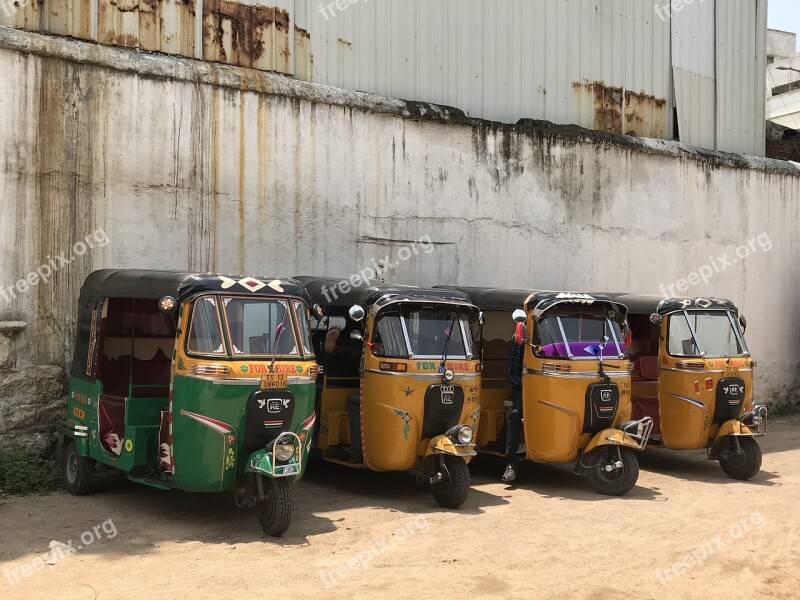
(274, 381)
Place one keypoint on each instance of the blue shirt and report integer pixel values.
(515, 365)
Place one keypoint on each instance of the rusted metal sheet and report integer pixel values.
(158, 25)
(67, 17)
(21, 14)
(167, 26)
(247, 35)
(617, 110)
(118, 22)
(303, 58)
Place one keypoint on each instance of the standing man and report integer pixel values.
(515, 419)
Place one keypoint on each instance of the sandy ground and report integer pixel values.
(365, 535)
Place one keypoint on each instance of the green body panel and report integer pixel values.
(261, 462)
(208, 430)
(142, 422)
(82, 410)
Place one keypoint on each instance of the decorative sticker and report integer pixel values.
(406, 419)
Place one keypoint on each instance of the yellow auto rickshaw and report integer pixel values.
(400, 386)
(576, 383)
(693, 375)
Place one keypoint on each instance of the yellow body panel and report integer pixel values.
(392, 409)
(687, 397)
(554, 405)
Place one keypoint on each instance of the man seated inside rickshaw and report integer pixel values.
(342, 353)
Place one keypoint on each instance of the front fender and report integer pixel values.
(260, 462)
(732, 427)
(612, 437)
(444, 445)
(78, 434)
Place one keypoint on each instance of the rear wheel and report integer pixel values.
(275, 511)
(77, 471)
(745, 465)
(452, 492)
(606, 475)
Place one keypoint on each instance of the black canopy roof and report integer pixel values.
(509, 300)
(647, 305)
(327, 292)
(154, 285)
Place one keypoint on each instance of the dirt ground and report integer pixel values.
(364, 535)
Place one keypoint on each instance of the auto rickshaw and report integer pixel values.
(196, 382)
(401, 388)
(693, 375)
(576, 383)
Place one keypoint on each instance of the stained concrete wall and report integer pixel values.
(188, 165)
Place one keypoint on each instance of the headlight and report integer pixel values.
(465, 435)
(449, 375)
(284, 451)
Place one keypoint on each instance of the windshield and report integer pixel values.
(713, 331)
(578, 333)
(431, 332)
(205, 334)
(260, 327)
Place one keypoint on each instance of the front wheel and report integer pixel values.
(453, 491)
(77, 471)
(275, 511)
(606, 474)
(745, 465)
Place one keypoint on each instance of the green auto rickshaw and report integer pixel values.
(197, 382)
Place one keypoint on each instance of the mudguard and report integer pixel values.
(69, 433)
(612, 437)
(260, 462)
(444, 445)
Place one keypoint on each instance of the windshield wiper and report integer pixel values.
(279, 332)
(447, 343)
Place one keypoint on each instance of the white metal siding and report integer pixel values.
(741, 66)
(694, 73)
(502, 60)
(614, 65)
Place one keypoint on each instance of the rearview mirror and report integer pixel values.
(480, 319)
(743, 323)
(519, 316)
(356, 313)
(356, 335)
(317, 310)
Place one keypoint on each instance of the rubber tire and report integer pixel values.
(76, 471)
(617, 486)
(743, 467)
(275, 512)
(453, 493)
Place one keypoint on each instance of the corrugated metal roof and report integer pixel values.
(568, 61)
(616, 65)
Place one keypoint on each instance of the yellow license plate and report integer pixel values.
(731, 371)
(274, 381)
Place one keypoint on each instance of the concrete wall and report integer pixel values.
(781, 44)
(206, 167)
